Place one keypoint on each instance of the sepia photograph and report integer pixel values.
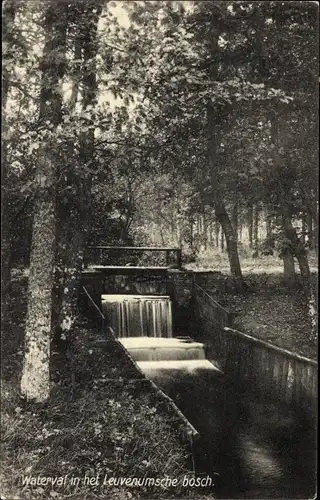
(159, 250)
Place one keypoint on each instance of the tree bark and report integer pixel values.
(268, 227)
(234, 219)
(79, 223)
(256, 213)
(215, 120)
(35, 381)
(191, 222)
(240, 232)
(312, 223)
(250, 225)
(8, 14)
(287, 253)
(300, 253)
(303, 228)
(217, 231)
(222, 238)
(232, 247)
(205, 230)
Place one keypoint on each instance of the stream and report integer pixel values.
(251, 449)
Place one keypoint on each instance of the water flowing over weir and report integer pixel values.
(139, 315)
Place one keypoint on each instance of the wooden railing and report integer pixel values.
(250, 363)
(98, 252)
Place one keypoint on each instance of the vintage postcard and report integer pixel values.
(159, 250)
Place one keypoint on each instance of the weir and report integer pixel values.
(143, 324)
(139, 315)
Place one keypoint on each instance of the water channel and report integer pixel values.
(251, 448)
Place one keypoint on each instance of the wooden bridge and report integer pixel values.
(98, 258)
(101, 270)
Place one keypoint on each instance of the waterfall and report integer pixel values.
(139, 315)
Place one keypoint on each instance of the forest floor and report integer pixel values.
(214, 260)
(270, 312)
(275, 316)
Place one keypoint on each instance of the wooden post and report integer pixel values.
(168, 258)
(179, 258)
(85, 259)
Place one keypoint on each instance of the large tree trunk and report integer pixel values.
(232, 247)
(288, 269)
(35, 382)
(8, 15)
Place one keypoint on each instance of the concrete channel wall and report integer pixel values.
(266, 370)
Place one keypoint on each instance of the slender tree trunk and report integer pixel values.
(310, 231)
(205, 230)
(162, 237)
(232, 247)
(303, 228)
(79, 226)
(217, 232)
(76, 78)
(289, 270)
(250, 225)
(256, 230)
(191, 222)
(179, 238)
(298, 249)
(268, 227)
(300, 253)
(312, 225)
(222, 238)
(35, 383)
(234, 219)
(210, 235)
(287, 253)
(215, 122)
(68, 223)
(240, 231)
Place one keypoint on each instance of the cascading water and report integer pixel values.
(139, 315)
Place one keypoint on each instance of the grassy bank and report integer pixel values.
(271, 311)
(214, 260)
